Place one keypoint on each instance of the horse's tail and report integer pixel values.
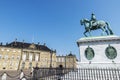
(111, 33)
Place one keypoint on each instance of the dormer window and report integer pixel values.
(32, 46)
(0, 56)
(6, 56)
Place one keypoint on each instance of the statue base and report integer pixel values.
(102, 57)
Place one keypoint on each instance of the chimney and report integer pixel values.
(38, 47)
(1, 43)
(23, 41)
(55, 50)
(23, 44)
(38, 43)
(15, 42)
(7, 43)
(44, 44)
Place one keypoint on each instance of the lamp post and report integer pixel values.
(65, 61)
(51, 52)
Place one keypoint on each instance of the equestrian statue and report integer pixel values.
(94, 24)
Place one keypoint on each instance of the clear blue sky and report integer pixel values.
(54, 22)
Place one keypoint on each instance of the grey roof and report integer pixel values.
(25, 45)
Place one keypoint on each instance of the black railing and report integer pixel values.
(65, 74)
(50, 73)
(76, 74)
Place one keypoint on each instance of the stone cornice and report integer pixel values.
(98, 39)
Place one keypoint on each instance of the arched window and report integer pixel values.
(36, 57)
(30, 56)
(0, 56)
(23, 65)
(24, 56)
(12, 57)
(30, 65)
(6, 56)
(18, 57)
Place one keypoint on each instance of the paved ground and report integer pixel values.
(14, 75)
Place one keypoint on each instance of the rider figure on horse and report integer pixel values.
(94, 24)
(93, 20)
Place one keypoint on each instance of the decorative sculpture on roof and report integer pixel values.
(95, 24)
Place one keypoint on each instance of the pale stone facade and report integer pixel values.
(68, 61)
(9, 58)
(18, 55)
(21, 55)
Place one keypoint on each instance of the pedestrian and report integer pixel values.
(31, 72)
(21, 75)
(23, 78)
(4, 76)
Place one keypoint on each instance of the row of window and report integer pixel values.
(65, 60)
(30, 65)
(24, 57)
(36, 57)
(9, 57)
(30, 58)
(10, 50)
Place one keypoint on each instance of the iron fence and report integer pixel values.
(76, 74)
(66, 74)
(50, 73)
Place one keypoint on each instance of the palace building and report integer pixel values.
(20, 55)
(68, 61)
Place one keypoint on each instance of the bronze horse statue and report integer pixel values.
(100, 24)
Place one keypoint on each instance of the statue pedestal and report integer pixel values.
(105, 51)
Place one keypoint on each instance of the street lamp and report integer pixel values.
(51, 53)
